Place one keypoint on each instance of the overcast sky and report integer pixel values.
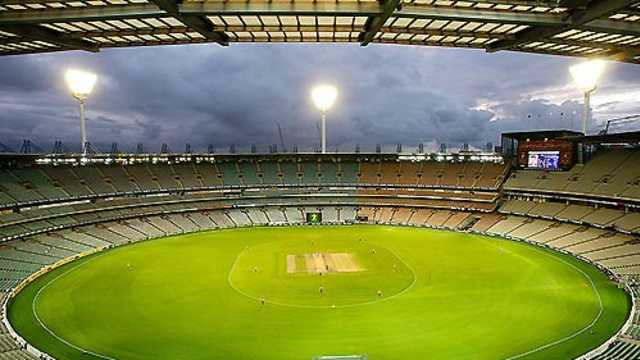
(206, 94)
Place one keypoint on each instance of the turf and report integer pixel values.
(197, 296)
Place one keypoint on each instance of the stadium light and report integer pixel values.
(586, 76)
(81, 83)
(324, 96)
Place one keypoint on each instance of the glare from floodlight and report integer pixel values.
(80, 83)
(587, 74)
(324, 96)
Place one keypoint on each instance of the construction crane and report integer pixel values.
(284, 149)
(617, 121)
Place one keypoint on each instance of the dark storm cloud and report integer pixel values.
(205, 94)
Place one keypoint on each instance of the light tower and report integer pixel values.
(323, 97)
(586, 76)
(81, 83)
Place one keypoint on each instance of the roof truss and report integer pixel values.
(609, 28)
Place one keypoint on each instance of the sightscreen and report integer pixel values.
(544, 160)
(314, 217)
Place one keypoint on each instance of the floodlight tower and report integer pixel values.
(323, 97)
(81, 83)
(586, 76)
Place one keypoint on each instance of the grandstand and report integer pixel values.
(54, 210)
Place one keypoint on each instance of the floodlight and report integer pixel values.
(323, 97)
(586, 76)
(81, 83)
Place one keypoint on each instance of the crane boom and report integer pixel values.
(621, 120)
(284, 149)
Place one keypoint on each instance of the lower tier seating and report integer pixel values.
(21, 257)
(620, 350)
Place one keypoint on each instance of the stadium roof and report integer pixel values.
(587, 28)
(622, 137)
(542, 134)
(631, 137)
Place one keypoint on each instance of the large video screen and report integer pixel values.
(544, 159)
(314, 217)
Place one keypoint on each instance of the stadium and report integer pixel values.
(525, 250)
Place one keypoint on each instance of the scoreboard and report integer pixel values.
(314, 217)
(546, 154)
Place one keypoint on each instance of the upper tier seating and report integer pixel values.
(465, 183)
(610, 174)
(434, 174)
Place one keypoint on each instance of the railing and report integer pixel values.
(604, 347)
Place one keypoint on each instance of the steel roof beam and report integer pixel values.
(291, 28)
(573, 4)
(375, 23)
(593, 44)
(93, 13)
(582, 15)
(534, 3)
(282, 8)
(39, 33)
(612, 27)
(598, 9)
(479, 15)
(594, 11)
(542, 3)
(199, 23)
(118, 12)
(130, 32)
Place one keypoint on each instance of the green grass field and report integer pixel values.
(423, 294)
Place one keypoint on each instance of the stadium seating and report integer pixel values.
(329, 214)
(201, 220)
(9, 348)
(438, 218)
(531, 228)
(66, 178)
(347, 213)
(609, 174)
(115, 176)
(66, 211)
(403, 215)
(186, 175)
(93, 178)
(275, 215)
(620, 350)
(506, 225)
(456, 220)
